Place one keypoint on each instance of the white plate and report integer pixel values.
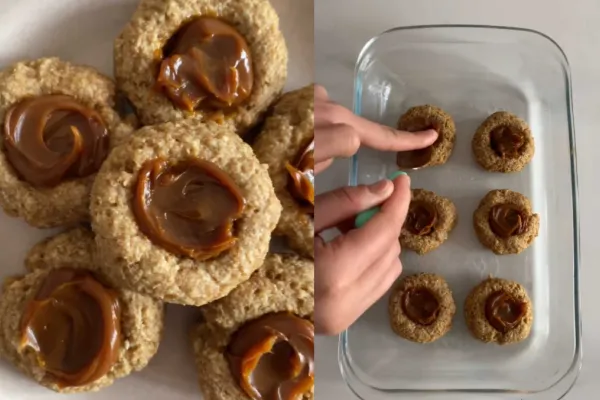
(82, 31)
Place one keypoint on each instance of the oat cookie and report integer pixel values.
(47, 181)
(67, 258)
(286, 145)
(505, 223)
(500, 311)
(183, 211)
(421, 308)
(429, 221)
(421, 118)
(279, 295)
(503, 143)
(168, 42)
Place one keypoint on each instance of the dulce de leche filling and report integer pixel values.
(506, 141)
(421, 306)
(302, 178)
(503, 311)
(51, 138)
(272, 357)
(507, 220)
(73, 327)
(421, 218)
(188, 208)
(206, 64)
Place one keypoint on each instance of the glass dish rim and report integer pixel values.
(575, 367)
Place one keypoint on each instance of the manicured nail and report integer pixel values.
(379, 187)
(396, 174)
(364, 217)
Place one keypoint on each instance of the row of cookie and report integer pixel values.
(421, 309)
(504, 221)
(502, 143)
(100, 332)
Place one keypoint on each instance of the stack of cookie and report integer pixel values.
(163, 200)
(422, 306)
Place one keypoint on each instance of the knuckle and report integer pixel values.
(352, 196)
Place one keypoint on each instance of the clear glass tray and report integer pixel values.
(472, 71)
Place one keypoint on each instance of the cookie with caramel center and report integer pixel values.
(259, 340)
(429, 221)
(499, 311)
(503, 143)
(421, 308)
(505, 222)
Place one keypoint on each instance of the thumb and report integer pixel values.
(338, 205)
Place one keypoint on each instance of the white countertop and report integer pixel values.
(342, 27)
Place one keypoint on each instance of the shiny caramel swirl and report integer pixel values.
(503, 311)
(302, 178)
(272, 357)
(188, 208)
(507, 142)
(206, 64)
(51, 138)
(421, 218)
(507, 220)
(73, 327)
(421, 305)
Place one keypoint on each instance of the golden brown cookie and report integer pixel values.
(503, 143)
(505, 223)
(421, 308)
(160, 51)
(500, 311)
(236, 329)
(429, 221)
(286, 145)
(422, 118)
(62, 269)
(183, 212)
(47, 181)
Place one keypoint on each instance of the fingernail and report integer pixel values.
(364, 217)
(379, 187)
(396, 174)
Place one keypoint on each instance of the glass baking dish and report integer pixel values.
(472, 71)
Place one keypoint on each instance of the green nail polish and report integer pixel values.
(396, 174)
(365, 216)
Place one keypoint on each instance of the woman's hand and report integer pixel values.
(356, 268)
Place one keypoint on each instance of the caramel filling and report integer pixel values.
(507, 142)
(507, 220)
(52, 138)
(207, 65)
(503, 311)
(73, 327)
(272, 357)
(421, 306)
(188, 208)
(421, 218)
(302, 178)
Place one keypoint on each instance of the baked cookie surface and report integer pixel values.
(283, 288)
(69, 254)
(157, 32)
(503, 143)
(429, 221)
(505, 223)
(286, 144)
(500, 311)
(47, 181)
(421, 308)
(159, 193)
(421, 118)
